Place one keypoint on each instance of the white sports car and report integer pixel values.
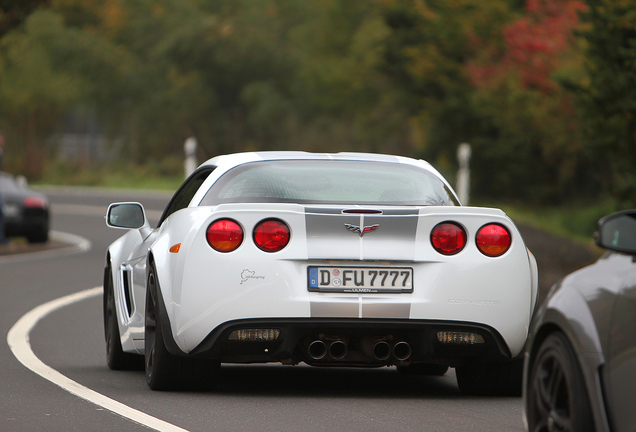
(329, 259)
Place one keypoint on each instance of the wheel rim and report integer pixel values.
(150, 326)
(551, 395)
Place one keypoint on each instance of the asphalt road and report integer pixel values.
(69, 342)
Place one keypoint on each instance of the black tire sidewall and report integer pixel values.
(557, 346)
(164, 372)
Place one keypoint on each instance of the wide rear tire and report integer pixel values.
(557, 398)
(39, 234)
(165, 371)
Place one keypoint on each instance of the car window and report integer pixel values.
(186, 192)
(329, 181)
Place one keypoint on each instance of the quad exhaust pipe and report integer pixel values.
(380, 350)
(317, 350)
(402, 350)
(337, 350)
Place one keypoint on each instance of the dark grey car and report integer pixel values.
(25, 212)
(580, 363)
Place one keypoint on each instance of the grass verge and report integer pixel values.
(576, 221)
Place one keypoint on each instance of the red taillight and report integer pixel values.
(271, 235)
(35, 202)
(448, 238)
(493, 240)
(224, 235)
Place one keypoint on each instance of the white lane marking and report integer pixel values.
(77, 245)
(18, 339)
(81, 244)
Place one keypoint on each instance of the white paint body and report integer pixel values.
(203, 288)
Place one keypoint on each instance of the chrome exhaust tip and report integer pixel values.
(338, 350)
(381, 350)
(402, 350)
(317, 350)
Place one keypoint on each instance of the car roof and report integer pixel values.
(232, 160)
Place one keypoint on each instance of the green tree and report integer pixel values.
(609, 97)
(521, 89)
(33, 93)
(14, 12)
(430, 44)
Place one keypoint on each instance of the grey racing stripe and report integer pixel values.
(358, 306)
(335, 307)
(329, 239)
(385, 310)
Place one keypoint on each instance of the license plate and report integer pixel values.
(360, 279)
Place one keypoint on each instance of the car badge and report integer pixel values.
(361, 231)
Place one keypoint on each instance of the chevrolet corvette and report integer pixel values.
(347, 259)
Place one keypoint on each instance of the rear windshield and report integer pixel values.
(329, 182)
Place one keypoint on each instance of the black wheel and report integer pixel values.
(116, 358)
(491, 379)
(557, 398)
(165, 371)
(161, 366)
(423, 369)
(38, 235)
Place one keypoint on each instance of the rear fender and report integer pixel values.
(571, 315)
(167, 254)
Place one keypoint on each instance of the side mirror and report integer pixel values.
(126, 216)
(617, 232)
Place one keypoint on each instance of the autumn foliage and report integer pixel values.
(543, 90)
(535, 46)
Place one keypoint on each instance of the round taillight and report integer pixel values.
(448, 238)
(224, 235)
(271, 235)
(493, 240)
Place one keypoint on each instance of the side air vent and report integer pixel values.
(126, 275)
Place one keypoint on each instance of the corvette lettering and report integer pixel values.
(363, 230)
(474, 302)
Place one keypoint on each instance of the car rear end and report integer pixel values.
(425, 285)
(26, 213)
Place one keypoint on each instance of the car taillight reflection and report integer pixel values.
(493, 240)
(271, 235)
(448, 238)
(224, 235)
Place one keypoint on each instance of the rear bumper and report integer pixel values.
(360, 342)
(31, 221)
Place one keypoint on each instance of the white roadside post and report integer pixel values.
(190, 149)
(463, 175)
